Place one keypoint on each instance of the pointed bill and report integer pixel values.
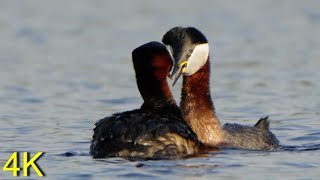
(176, 73)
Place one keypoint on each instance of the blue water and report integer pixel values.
(66, 64)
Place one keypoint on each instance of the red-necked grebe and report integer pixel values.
(190, 51)
(156, 130)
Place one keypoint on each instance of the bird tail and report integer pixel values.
(263, 123)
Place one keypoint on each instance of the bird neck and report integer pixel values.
(197, 107)
(155, 93)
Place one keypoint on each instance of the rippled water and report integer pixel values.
(66, 64)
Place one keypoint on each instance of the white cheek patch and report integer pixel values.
(197, 59)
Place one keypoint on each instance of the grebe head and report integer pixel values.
(152, 59)
(152, 63)
(189, 49)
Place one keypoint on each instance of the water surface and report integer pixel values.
(66, 64)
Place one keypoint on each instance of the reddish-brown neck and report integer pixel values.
(196, 88)
(197, 107)
(155, 93)
(153, 85)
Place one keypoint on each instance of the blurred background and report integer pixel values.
(66, 64)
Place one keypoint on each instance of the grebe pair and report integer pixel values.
(157, 130)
